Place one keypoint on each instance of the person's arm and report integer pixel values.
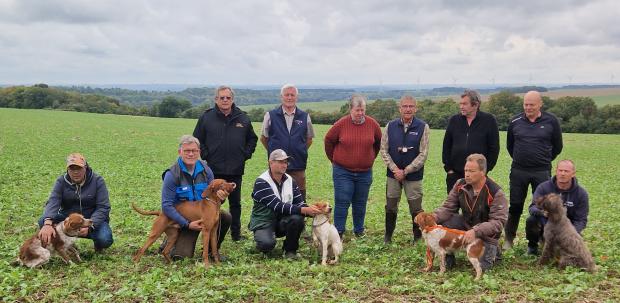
(201, 135)
(53, 202)
(449, 207)
(310, 132)
(510, 139)
(538, 192)
(493, 144)
(102, 206)
(263, 193)
(377, 134)
(168, 196)
(419, 161)
(556, 140)
(264, 136)
(581, 212)
(447, 147)
(250, 141)
(384, 150)
(498, 215)
(331, 139)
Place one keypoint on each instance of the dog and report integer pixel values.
(207, 210)
(441, 240)
(325, 236)
(561, 238)
(33, 254)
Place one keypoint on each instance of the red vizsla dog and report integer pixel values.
(208, 211)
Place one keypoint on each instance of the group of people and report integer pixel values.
(224, 139)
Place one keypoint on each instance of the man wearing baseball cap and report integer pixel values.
(79, 190)
(279, 208)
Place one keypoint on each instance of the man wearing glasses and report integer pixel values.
(227, 140)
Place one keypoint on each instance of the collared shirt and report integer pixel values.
(289, 118)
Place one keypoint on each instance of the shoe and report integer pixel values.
(360, 235)
(507, 244)
(532, 250)
(341, 234)
(223, 258)
(387, 240)
(450, 261)
(177, 258)
(291, 255)
(237, 238)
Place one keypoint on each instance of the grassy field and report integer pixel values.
(131, 152)
(324, 106)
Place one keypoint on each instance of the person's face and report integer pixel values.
(473, 173)
(289, 97)
(76, 173)
(466, 108)
(190, 153)
(532, 105)
(564, 172)
(407, 109)
(357, 112)
(278, 167)
(224, 100)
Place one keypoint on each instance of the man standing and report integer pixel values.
(483, 210)
(469, 132)
(289, 128)
(575, 200)
(534, 140)
(278, 208)
(404, 148)
(227, 140)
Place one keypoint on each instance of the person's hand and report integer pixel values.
(222, 194)
(399, 175)
(470, 236)
(46, 234)
(195, 225)
(83, 232)
(310, 211)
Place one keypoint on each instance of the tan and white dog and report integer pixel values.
(442, 240)
(33, 254)
(325, 235)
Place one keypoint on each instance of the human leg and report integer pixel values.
(343, 193)
(392, 193)
(265, 239)
(362, 183)
(290, 227)
(413, 191)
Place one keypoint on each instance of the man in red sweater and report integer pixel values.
(352, 145)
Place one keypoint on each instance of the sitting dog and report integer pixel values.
(441, 240)
(561, 237)
(33, 253)
(207, 210)
(325, 235)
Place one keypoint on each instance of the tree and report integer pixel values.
(172, 107)
(503, 105)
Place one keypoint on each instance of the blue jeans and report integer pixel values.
(101, 236)
(350, 188)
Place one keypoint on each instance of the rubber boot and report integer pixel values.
(510, 231)
(417, 233)
(390, 225)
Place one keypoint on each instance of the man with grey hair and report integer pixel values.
(468, 132)
(185, 181)
(483, 210)
(227, 141)
(404, 149)
(289, 128)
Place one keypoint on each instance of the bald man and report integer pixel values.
(534, 140)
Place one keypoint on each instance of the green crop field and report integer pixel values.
(131, 153)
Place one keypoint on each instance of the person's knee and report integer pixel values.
(490, 256)
(225, 218)
(265, 244)
(103, 240)
(297, 221)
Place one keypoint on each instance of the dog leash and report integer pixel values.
(326, 220)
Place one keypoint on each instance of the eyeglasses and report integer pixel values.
(190, 151)
(222, 98)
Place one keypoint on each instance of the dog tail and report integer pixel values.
(145, 212)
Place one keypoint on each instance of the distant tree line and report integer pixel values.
(576, 114)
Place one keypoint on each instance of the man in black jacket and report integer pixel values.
(534, 140)
(227, 140)
(469, 132)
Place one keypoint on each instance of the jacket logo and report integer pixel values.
(299, 122)
(542, 126)
(185, 188)
(238, 125)
(413, 133)
(569, 204)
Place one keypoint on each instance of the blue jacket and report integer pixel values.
(411, 138)
(90, 199)
(575, 199)
(180, 186)
(294, 144)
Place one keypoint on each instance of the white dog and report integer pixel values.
(325, 235)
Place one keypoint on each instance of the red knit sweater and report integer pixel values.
(353, 146)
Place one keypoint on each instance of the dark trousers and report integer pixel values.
(520, 180)
(186, 243)
(234, 204)
(452, 178)
(534, 228)
(286, 226)
(101, 235)
(492, 253)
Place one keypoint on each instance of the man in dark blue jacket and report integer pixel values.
(575, 200)
(289, 128)
(469, 132)
(227, 140)
(534, 139)
(79, 190)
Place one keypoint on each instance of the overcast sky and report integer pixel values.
(309, 42)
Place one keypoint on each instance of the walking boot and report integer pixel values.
(510, 231)
(390, 225)
(417, 233)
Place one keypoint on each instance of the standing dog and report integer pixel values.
(207, 210)
(441, 240)
(561, 237)
(325, 235)
(33, 254)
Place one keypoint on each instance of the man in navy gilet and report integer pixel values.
(404, 148)
(289, 128)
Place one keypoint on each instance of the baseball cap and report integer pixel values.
(76, 159)
(278, 155)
